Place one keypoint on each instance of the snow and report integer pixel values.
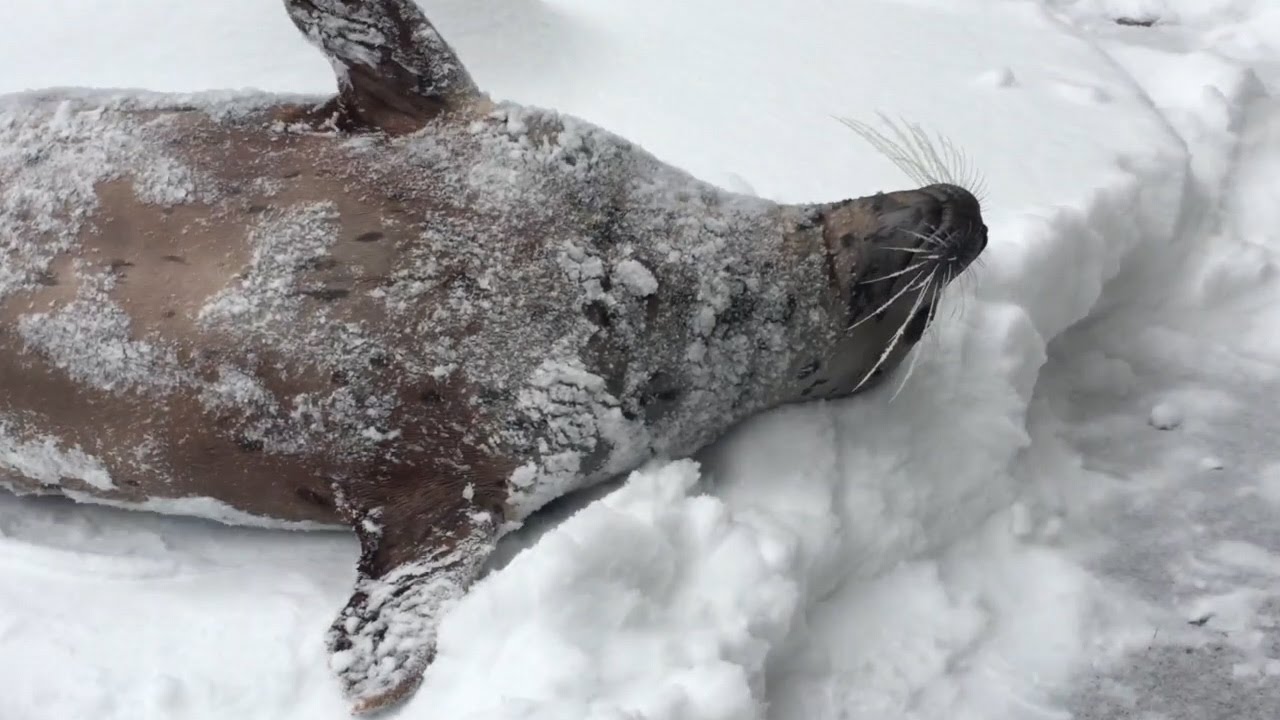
(89, 338)
(1008, 537)
(47, 463)
(1166, 416)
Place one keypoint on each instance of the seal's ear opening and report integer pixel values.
(394, 71)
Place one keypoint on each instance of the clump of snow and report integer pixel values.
(634, 276)
(90, 338)
(44, 460)
(283, 244)
(1166, 416)
(206, 508)
(1212, 463)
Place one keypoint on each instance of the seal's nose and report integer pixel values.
(965, 231)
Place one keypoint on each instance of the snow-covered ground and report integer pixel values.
(1072, 510)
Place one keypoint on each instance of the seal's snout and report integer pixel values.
(954, 229)
(901, 248)
(905, 236)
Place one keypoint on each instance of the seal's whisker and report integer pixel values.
(957, 308)
(932, 291)
(919, 235)
(933, 241)
(903, 271)
(937, 302)
(897, 337)
(906, 250)
(906, 288)
(924, 159)
(886, 147)
(924, 150)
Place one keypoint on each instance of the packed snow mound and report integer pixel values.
(1008, 537)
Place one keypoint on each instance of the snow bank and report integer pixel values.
(874, 558)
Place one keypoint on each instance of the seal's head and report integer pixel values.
(890, 256)
(888, 239)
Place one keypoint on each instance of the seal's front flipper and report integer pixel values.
(394, 70)
(412, 569)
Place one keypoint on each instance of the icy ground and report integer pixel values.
(1071, 511)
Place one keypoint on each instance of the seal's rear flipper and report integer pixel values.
(395, 72)
(412, 569)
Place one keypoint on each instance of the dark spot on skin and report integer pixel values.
(651, 307)
(607, 226)
(169, 313)
(431, 396)
(659, 394)
(1136, 22)
(378, 360)
(248, 444)
(667, 395)
(603, 354)
(338, 377)
(596, 459)
(741, 307)
(382, 435)
(326, 294)
(597, 313)
(256, 208)
(783, 313)
(606, 283)
(493, 395)
(174, 259)
(118, 265)
(313, 497)
(373, 236)
(813, 220)
(323, 263)
(877, 202)
(287, 174)
(847, 240)
(47, 279)
(808, 370)
(813, 386)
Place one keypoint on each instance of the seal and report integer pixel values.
(410, 310)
